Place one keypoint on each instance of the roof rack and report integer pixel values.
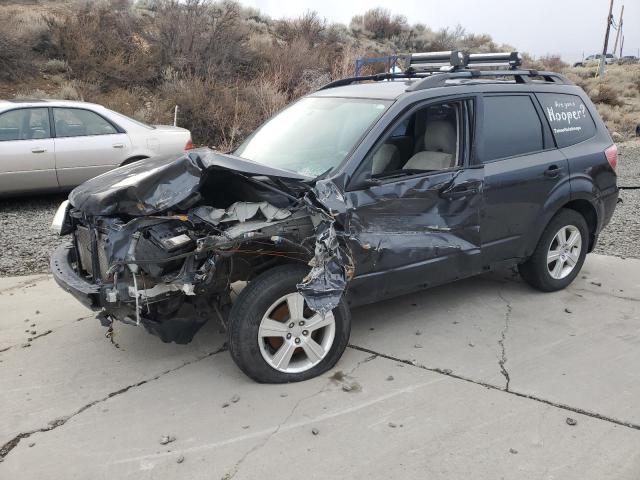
(435, 68)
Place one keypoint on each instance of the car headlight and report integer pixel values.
(60, 223)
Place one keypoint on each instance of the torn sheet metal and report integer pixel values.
(153, 185)
(323, 287)
(241, 212)
(141, 188)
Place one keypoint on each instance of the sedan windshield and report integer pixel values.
(313, 135)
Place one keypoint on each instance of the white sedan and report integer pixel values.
(54, 145)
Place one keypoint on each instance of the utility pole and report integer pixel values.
(606, 41)
(621, 44)
(619, 31)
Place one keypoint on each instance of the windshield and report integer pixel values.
(313, 135)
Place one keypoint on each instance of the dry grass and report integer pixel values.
(227, 67)
(617, 96)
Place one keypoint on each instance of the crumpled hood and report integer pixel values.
(150, 186)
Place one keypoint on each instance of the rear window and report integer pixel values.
(569, 118)
(511, 127)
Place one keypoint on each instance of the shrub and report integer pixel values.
(104, 42)
(378, 23)
(55, 65)
(604, 93)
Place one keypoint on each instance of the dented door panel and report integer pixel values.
(403, 233)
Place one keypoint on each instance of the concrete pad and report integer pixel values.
(584, 357)
(419, 424)
(94, 411)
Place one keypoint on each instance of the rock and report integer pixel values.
(447, 371)
(392, 425)
(284, 395)
(315, 431)
(390, 378)
(471, 344)
(417, 345)
(567, 310)
(225, 404)
(418, 332)
(167, 439)
(513, 450)
(597, 284)
(32, 444)
(235, 398)
(346, 387)
(571, 421)
(180, 459)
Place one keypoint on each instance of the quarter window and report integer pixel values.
(568, 117)
(511, 127)
(25, 124)
(75, 122)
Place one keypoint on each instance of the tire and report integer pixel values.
(258, 356)
(538, 272)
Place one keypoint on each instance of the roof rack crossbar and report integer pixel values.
(520, 76)
(378, 77)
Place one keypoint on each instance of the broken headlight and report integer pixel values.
(61, 224)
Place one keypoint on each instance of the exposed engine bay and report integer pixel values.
(161, 241)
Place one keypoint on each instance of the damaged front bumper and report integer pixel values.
(61, 263)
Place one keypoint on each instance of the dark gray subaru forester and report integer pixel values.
(369, 188)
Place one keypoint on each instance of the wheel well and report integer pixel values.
(133, 159)
(588, 212)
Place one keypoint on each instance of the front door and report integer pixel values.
(416, 221)
(27, 153)
(86, 145)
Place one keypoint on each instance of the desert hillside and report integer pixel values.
(228, 67)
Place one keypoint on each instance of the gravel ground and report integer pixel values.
(25, 239)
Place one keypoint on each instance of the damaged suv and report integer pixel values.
(369, 188)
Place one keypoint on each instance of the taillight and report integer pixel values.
(612, 156)
(189, 145)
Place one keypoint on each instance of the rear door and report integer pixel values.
(87, 144)
(27, 152)
(524, 173)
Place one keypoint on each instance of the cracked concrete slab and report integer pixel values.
(570, 351)
(419, 423)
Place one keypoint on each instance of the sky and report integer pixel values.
(565, 27)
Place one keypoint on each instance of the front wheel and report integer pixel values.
(560, 253)
(274, 337)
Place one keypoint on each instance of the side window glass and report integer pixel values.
(75, 122)
(25, 124)
(569, 118)
(511, 126)
(427, 140)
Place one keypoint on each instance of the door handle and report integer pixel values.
(552, 172)
(118, 145)
(461, 190)
(38, 150)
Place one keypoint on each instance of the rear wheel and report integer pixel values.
(560, 253)
(273, 335)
